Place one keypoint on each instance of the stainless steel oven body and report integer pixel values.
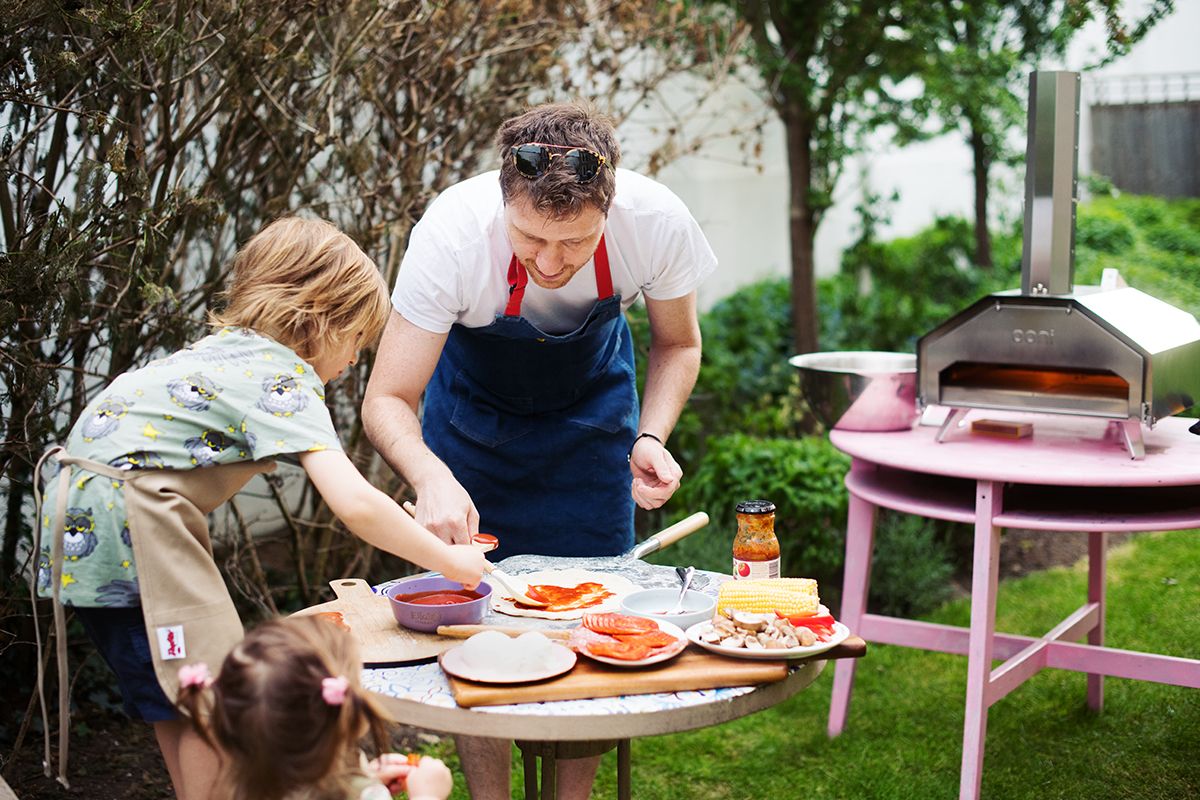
(1105, 351)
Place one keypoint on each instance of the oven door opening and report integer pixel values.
(1042, 388)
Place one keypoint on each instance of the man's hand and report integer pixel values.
(656, 476)
(444, 507)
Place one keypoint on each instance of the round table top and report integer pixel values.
(1063, 451)
(420, 696)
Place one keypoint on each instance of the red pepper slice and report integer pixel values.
(810, 620)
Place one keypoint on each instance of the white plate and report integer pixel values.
(452, 663)
(840, 634)
(667, 654)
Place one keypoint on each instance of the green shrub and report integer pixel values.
(801, 476)
(913, 565)
(1107, 233)
(804, 479)
(889, 294)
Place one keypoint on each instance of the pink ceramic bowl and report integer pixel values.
(427, 617)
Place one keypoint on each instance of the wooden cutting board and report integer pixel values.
(380, 638)
(693, 669)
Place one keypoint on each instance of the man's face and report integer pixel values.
(551, 250)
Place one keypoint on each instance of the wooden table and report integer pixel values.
(419, 695)
(1073, 474)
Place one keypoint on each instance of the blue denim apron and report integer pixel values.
(536, 426)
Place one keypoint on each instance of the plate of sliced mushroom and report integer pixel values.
(742, 634)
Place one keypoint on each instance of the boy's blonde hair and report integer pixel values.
(307, 285)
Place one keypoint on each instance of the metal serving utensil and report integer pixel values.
(685, 575)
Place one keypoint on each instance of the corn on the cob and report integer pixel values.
(789, 596)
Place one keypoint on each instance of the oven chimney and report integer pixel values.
(1051, 164)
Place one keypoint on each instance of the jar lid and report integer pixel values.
(755, 507)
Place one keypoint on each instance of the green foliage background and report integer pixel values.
(747, 433)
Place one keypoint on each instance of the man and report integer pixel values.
(508, 315)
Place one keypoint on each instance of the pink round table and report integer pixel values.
(1072, 474)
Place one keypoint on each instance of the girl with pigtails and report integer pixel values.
(286, 713)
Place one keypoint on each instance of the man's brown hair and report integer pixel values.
(557, 193)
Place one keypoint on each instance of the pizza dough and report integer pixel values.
(563, 577)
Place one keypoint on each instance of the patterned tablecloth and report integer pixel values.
(426, 683)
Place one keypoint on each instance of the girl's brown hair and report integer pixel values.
(267, 715)
(307, 285)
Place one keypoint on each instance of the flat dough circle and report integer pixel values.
(563, 577)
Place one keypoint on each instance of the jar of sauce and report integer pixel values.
(755, 548)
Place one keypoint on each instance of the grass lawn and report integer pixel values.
(904, 735)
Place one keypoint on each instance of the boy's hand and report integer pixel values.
(466, 564)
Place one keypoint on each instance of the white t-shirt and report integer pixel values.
(456, 267)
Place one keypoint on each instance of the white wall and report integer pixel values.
(743, 207)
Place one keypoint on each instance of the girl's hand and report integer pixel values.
(465, 564)
(391, 769)
(429, 780)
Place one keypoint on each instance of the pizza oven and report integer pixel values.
(1102, 351)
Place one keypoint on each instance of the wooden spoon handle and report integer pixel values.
(467, 631)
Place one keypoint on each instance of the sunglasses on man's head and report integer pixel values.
(533, 160)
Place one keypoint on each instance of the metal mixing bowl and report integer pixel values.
(860, 390)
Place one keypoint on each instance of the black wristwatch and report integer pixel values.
(629, 455)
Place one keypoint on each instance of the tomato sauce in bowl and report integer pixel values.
(438, 597)
(423, 604)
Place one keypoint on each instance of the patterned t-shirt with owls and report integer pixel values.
(232, 396)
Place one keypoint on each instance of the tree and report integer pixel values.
(978, 54)
(144, 140)
(830, 71)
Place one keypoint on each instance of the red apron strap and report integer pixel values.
(603, 275)
(518, 279)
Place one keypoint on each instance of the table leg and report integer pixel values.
(529, 767)
(551, 752)
(860, 538)
(549, 778)
(985, 568)
(624, 777)
(1097, 560)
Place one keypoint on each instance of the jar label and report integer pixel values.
(756, 569)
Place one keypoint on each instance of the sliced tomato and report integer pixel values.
(626, 651)
(654, 638)
(614, 624)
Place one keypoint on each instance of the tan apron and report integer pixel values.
(190, 617)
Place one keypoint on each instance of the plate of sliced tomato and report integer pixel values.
(623, 640)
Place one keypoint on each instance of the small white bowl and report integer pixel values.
(653, 603)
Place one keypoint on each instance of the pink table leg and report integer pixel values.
(860, 538)
(1097, 559)
(985, 568)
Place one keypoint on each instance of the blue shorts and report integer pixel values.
(120, 636)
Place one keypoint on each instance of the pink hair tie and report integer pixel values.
(195, 675)
(333, 690)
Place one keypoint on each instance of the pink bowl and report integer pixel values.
(427, 618)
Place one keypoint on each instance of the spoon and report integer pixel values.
(518, 595)
(502, 577)
(685, 575)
